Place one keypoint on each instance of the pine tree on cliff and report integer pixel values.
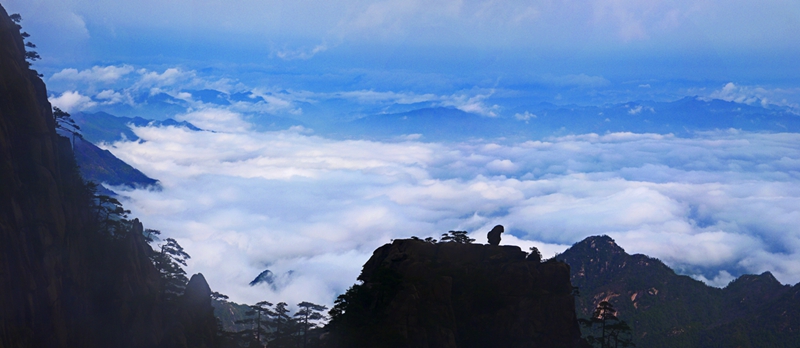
(29, 55)
(613, 331)
(168, 262)
(457, 237)
(65, 122)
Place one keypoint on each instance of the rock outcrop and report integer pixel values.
(194, 324)
(420, 294)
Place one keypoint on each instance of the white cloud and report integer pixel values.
(215, 119)
(473, 103)
(757, 95)
(501, 166)
(524, 116)
(372, 97)
(638, 109)
(303, 54)
(110, 97)
(70, 101)
(720, 280)
(248, 201)
(169, 77)
(104, 74)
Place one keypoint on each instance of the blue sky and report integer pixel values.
(484, 43)
(242, 197)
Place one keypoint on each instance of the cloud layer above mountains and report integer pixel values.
(311, 210)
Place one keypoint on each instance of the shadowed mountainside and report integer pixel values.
(104, 127)
(66, 278)
(670, 310)
(101, 166)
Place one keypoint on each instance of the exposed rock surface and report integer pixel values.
(467, 295)
(670, 310)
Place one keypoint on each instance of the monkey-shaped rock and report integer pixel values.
(494, 235)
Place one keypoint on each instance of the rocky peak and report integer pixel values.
(197, 290)
(751, 291)
(599, 260)
(599, 245)
(765, 281)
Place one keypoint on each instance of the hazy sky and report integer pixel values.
(737, 41)
(311, 209)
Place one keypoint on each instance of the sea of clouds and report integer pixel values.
(312, 210)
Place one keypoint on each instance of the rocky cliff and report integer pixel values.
(41, 260)
(64, 280)
(420, 294)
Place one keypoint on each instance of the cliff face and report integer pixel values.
(64, 282)
(38, 199)
(462, 295)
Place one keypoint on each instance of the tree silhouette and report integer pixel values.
(534, 255)
(151, 235)
(258, 315)
(168, 262)
(307, 316)
(65, 122)
(613, 331)
(426, 240)
(111, 217)
(285, 327)
(29, 55)
(457, 237)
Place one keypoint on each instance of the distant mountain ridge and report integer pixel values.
(103, 127)
(683, 117)
(670, 310)
(101, 166)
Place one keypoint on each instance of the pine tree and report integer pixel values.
(613, 331)
(308, 315)
(286, 327)
(457, 237)
(257, 317)
(168, 262)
